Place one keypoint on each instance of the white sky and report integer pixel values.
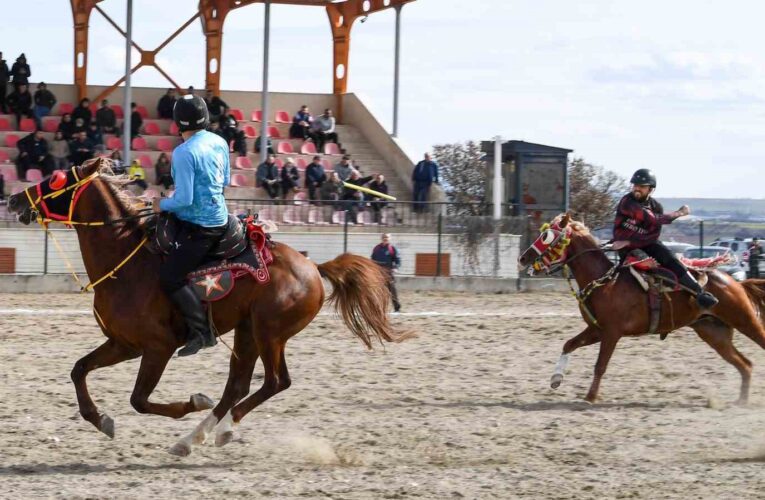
(677, 86)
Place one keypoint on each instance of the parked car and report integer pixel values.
(738, 246)
(734, 268)
(677, 247)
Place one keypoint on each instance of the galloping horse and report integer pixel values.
(139, 320)
(613, 304)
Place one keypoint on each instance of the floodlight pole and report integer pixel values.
(497, 189)
(264, 95)
(127, 139)
(396, 72)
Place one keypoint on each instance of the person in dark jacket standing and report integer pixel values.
(83, 111)
(387, 257)
(5, 76)
(166, 104)
(267, 177)
(21, 72)
(314, 177)
(20, 103)
(44, 102)
(136, 121)
(217, 106)
(425, 173)
(106, 119)
(755, 256)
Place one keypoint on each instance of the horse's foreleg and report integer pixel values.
(589, 335)
(720, 337)
(107, 354)
(608, 342)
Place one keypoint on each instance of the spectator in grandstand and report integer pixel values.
(344, 168)
(59, 151)
(83, 111)
(353, 198)
(20, 103)
(5, 75)
(388, 257)
(267, 176)
(332, 190)
(106, 119)
(314, 177)
(96, 138)
(425, 173)
(163, 170)
(324, 129)
(190, 90)
(2, 189)
(269, 145)
(33, 153)
(44, 102)
(216, 106)
(118, 167)
(66, 126)
(79, 126)
(80, 149)
(214, 127)
(137, 174)
(377, 203)
(290, 177)
(21, 72)
(166, 104)
(301, 124)
(233, 136)
(136, 121)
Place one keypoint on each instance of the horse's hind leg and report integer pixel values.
(720, 337)
(588, 336)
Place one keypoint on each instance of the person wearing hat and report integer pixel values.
(201, 170)
(639, 218)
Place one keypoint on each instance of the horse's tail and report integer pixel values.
(755, 289)
(361, 296)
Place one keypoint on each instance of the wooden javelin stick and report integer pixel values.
(369, 191)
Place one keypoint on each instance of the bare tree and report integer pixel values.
(462, 171)
(593, 192)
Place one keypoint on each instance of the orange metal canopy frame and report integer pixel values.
(212, 14)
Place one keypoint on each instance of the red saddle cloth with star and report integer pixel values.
(215, 280)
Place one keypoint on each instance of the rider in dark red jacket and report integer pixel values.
(638, 225)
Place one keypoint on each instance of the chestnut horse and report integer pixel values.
(617, 305)
(140, 321)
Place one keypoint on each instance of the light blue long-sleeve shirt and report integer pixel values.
(200, 170)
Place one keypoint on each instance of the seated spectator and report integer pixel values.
(314, 177)
(66, 126)
(44, 102)
(269, 145)
(290, 177)
(352, 198)
(106, 119)
(33, 153)
(20, 72)
(233, 136)
(79, 126)
(83, 111)
(378, 203)
(344, 168)
(215, 106)
(166, 104)
(96, 138)
(20, 103)
(118, 167)
(60, 152)
(267, 176)
(80, 149)
(5, 75)
(214, 127)
(164, 172)
(136, 121)
(137, 174)
(332, 190)
(301, 124)
(324, 130)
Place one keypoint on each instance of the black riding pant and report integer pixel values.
(193, 243)
(665, 258)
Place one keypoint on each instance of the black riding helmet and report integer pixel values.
(644, 177)
(190, 113)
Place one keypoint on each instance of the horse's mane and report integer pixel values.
(117, 184)
(576, 225)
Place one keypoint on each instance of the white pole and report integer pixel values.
(264, 95)
(126, 139)
(497, 189)
(396, 70)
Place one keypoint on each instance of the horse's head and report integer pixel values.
(55, 196)
(550, 247)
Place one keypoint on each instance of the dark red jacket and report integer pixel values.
(639, 222)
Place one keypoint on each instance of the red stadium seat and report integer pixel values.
(152, 128)
(9, 173)
(257, 115)
(118, 112)
(237, 114)
(142, 111)
(93, 108)
(308, 148)
(166, 145)
(249, 131)
(243, 162)
(27, 125)
(331, 148)
(284, 148)
(282, 117)
(113, 143)
(145, 161)
(6, 125)
(65, 107)
(279, 163)
(301, 164)
(11, 140)
(34, 175)
(300, 198)
(50, 124)
(4, 158)
(273, 133)
(327, 165)
(174, 128)
(240, 180)
(139, 144)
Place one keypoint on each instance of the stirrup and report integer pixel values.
(706, 300)
(194, 345)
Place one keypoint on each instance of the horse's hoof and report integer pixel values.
(591, 399)
(106, 425)
(202, 402)
(556, 380)
(224, 438)
(180, 449)
(741, 402)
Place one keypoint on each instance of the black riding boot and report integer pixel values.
(199, 335)
(705, 300)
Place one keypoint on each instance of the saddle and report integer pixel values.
(243, 250)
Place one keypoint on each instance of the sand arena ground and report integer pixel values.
(463, 411)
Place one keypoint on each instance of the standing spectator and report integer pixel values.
(137, 174)
(96, 138)
(33, 153)
(166, 104)
(233, 136)
(20, 103)
(5, 75)
(332, 190)
(136, 121)
(755, 255)
(106, 119)
(290, 177)
(44, 102)
(83, 111)
(324, 130)
(21, 72)
(118, 167)
(301, 124)
(423, 175)
(314, 177)
(164, 172)
(216, 106)
(267, 177)
(190, 90)
(80, 149)
(344, 168)
(388, 257)
(353, 198)
(60, 152)
(269, 145)
(378, 203)
(66, 126)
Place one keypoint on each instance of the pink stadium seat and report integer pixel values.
(315, 216)
(166, 145)
(338, 217)
(50, 124)
(11, 140)
(152, 128)
(327, 165)
(93, 108)
(331, 148)
(301, 164)
(243, 162)
(118, 112)
(34, 175)
(65, 107)
(364, 218)
(139, 144)
(279, 163)
(291, 216)
(4, 158)
(113, 143)
(273, 133)
(9, 173)
(237, 114)
(249, 131)
(308, 148)
(282, 117)
(266, 213)
(27, 125)
(300, 198)
(5, 124)
(142, 111)
(284, 148)
(240, 180)
(145, 161)
(257, 115)
(174, 128)
(17, 189)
